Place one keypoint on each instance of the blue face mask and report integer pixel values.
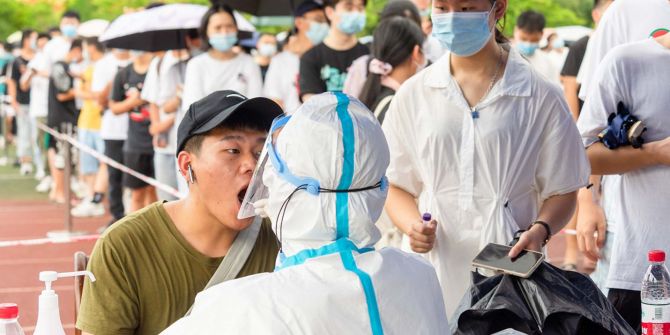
(69, 30)
(462, 33)
(526, 48)
(352, 22)
(223, 42)
(317, 32)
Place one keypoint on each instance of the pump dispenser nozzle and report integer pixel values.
(48, 317)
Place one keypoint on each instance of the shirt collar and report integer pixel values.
(516, 80)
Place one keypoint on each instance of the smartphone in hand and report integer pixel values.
(494, 257)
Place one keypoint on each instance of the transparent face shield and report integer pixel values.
(257, 189)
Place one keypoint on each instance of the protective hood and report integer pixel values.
(336, 140)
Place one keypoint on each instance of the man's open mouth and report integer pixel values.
(240, 195)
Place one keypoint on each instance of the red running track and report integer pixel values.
(20, 265)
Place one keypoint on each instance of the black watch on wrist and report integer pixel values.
(546, 227)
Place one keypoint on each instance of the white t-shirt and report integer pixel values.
(156, 78)
(624, 21)
(205, 75)
(543, 63)
(39, 89)
(160, 85)
(113, 127)
(636, 75)
(55, 50)
(281, 80)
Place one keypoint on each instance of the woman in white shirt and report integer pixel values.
(220, 68)
(484, 143)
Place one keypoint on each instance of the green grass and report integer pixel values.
(14, 186)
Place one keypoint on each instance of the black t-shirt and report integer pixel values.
(139, 140)
(573, 62)
(323, 69)
(381, 114)
(60, 82)
(19, 67)
(575, 57)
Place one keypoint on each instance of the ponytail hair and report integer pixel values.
(500, 27)
(392, 45)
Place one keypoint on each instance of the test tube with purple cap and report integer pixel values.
(426, 218)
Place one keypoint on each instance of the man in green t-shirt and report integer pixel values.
(151, 264)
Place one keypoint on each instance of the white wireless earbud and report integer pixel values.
(190, 174)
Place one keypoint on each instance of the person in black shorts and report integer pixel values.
(62, 112)
(138, 151)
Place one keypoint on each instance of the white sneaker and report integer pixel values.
(26, 169)
(39, 175)
(88, 209)
(79, 189)
(3, 161)
(45, 185)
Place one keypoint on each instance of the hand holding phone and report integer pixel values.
(495, 257)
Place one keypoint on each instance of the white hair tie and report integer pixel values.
(378, 67)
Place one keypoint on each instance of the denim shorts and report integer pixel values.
(88, 163)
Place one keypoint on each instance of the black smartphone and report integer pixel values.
(494, 257)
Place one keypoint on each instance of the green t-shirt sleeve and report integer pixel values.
(109, 305)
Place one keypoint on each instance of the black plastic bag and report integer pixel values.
(551, 301)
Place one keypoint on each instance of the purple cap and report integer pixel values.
(426, 217)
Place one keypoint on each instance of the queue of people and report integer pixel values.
(442, 114)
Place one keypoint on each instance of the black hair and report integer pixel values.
(531, 21)
(217, 7)
(393, 43)
(44, 35)
(500, 27)
(240, 120)
(52, 30)
(95, 43)
(73, 14)
(77, 43)
(403, 8)
(25, 34)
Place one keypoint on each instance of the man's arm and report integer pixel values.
(65, 96)
(126, 105)
(570, 88)
(591, 224)
(12, 91)
(121, 101)
(626, 159)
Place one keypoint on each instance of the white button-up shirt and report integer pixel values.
(485, 177)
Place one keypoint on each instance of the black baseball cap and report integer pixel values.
(214, 109)
(307, 6)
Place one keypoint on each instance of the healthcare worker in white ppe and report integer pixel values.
(482, 142)
(323, 173)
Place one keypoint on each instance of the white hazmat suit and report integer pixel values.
(329, 279)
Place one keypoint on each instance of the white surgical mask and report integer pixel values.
(267, 50)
